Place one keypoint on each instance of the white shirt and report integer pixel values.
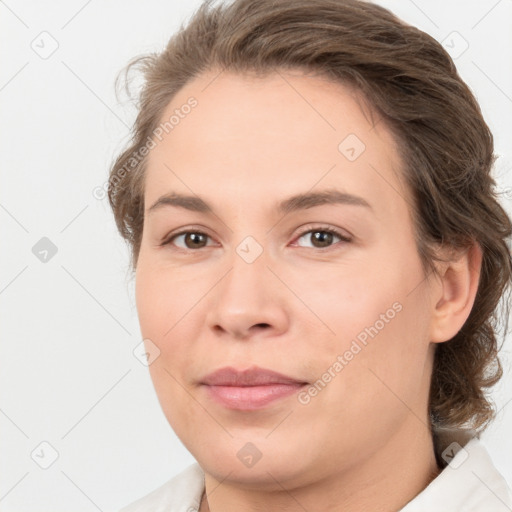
(469, 483)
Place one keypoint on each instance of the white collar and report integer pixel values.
(470, 483)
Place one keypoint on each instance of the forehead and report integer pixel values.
(261, 138)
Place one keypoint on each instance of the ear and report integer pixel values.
(455, 295)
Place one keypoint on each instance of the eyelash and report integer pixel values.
(323, 229)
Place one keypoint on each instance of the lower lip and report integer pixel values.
(249, 398)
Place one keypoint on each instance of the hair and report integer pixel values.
(445, 146)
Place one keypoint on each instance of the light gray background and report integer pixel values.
(69, 326)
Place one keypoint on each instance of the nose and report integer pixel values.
(249, 300)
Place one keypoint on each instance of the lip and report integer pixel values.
(250, 389)
(254, 376)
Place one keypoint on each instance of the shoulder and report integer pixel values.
(468, 483)
(181, 493)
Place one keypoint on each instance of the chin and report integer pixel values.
(259, 465)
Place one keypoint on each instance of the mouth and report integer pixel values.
(250, 389)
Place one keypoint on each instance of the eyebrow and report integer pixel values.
(291, 204)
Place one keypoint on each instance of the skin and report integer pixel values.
(363, 443)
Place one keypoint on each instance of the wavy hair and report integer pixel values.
(446, 148)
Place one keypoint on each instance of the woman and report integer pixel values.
(319, 254)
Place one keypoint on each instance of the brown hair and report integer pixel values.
(412, 83)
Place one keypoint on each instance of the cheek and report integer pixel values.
(376, 371)
(163, 320)
(160, 301)
(167, 307)
(349, 302)
(378, 319)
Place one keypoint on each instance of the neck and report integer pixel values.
(385, 482)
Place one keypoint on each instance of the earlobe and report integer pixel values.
(459, 284)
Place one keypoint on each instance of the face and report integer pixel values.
(328, 291)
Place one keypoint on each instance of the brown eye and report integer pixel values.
(195, 240)
(322, 238)
(191, 240)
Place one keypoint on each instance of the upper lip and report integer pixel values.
(253, 376)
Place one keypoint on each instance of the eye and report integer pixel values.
(192, 239)
(323, 237)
